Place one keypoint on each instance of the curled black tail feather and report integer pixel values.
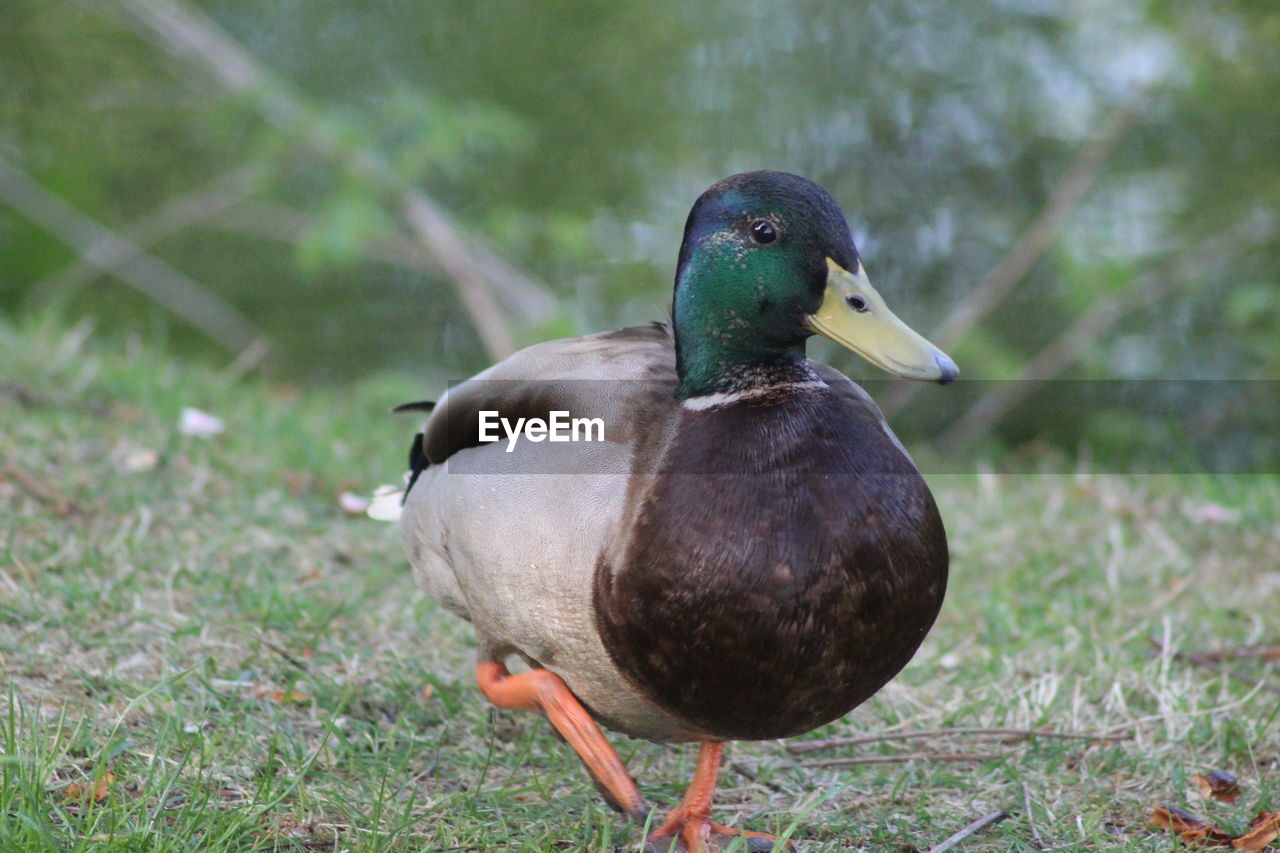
(419, 406)
(417, 462)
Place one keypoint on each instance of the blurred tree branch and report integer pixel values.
(1055, 357)
(1040, 234)
(272, 221)
(103, 249)
(1093, 323)
(223, 204)
(1042, 231)
(475, 271)
(175, 215)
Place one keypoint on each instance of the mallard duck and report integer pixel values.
(749, 552)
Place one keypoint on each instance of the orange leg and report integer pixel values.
(691, 820)
(540, 690)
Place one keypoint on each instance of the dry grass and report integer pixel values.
(207, 653)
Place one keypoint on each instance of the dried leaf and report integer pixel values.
(304, 835)
(1168, 817)
(266, 691)
(1217, 785)
(292, 696)
(231, 794)
(1262, 831)
(96, 790)
(290, 827)
(1192, 829)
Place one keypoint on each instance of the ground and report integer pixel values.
(204, 651)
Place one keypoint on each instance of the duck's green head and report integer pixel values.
(767, 261)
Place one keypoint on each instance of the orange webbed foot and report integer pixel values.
(689, 827)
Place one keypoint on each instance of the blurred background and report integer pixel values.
(1078, 200)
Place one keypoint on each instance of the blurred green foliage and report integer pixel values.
(573, 135)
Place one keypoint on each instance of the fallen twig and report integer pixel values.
(1010, 734)
(1211, 662)
(61, 504)
(908, 756)
(752, 776)
(972, 829)
(278, 649)
(1267, 653)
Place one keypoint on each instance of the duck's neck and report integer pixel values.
(709, 368)
(720, 350)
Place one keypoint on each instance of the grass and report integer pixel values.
(203, 651)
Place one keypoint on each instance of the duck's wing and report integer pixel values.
(624, 377)
(611, 376)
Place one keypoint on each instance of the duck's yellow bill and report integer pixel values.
(854, 315)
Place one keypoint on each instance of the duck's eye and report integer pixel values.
(762, 231)
(857, 303)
